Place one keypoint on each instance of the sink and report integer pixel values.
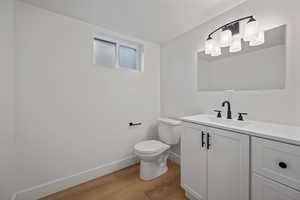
(229, 122)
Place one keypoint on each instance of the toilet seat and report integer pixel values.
(150, 147)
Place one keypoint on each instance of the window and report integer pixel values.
(104, 53)
(127, 57)
(117, 54)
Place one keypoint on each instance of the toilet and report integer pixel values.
(153, 154)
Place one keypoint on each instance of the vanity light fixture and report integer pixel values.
(230, 36)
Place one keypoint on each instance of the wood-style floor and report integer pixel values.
(126, 185)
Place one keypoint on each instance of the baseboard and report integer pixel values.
(174, 157)
(190, 194)
(57, 185)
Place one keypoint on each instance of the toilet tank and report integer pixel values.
(169, 130)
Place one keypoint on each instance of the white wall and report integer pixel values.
(71, 115)
(7, 70)
(179, 96)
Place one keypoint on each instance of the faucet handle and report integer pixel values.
(241, 118)
(219, 115)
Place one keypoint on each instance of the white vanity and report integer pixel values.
(239, 160)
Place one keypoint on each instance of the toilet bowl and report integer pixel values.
(153, 154)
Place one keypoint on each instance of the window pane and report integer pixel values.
(104, 53)
(127, 57)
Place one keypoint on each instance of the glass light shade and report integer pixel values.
(259, 39)
(225, 38)
(216, 51)
(209, 46)
(236, 44)
(251, 31)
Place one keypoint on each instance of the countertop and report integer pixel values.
(282, 133)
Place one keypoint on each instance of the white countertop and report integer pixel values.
(278, 132)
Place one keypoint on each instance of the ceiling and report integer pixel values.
(154, 20)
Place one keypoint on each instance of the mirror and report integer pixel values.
(253, 68)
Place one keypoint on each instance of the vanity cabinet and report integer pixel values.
(214, 163)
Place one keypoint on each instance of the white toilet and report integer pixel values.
(153, 153)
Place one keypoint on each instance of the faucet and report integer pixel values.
(228, 109)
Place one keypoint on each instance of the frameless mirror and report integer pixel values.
(253, 68)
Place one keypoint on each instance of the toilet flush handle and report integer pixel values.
(135, 124)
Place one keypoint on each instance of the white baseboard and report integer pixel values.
(190, 194)
(57, 185)
(174, 157)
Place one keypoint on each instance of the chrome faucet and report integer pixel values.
(228, 109)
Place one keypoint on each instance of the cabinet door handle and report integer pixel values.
(203, 142)
(207, 140)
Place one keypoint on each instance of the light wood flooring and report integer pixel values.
(126, 185)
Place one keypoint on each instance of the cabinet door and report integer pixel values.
(194, 163)
(228, 165)
(265, 189)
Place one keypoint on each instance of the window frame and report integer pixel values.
(121, 42)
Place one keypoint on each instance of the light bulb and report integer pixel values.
(216, 51)
(251, 30)
(209, 45)
(225, 38)
(236, 44)
(258, 40)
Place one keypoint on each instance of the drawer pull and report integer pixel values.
(282, 165)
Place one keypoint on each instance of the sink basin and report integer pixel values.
(229, 122)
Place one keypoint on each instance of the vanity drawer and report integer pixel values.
(265, 189)
(277, 161)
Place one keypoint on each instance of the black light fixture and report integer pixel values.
(231, 37)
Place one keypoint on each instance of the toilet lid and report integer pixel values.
(150, 146)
